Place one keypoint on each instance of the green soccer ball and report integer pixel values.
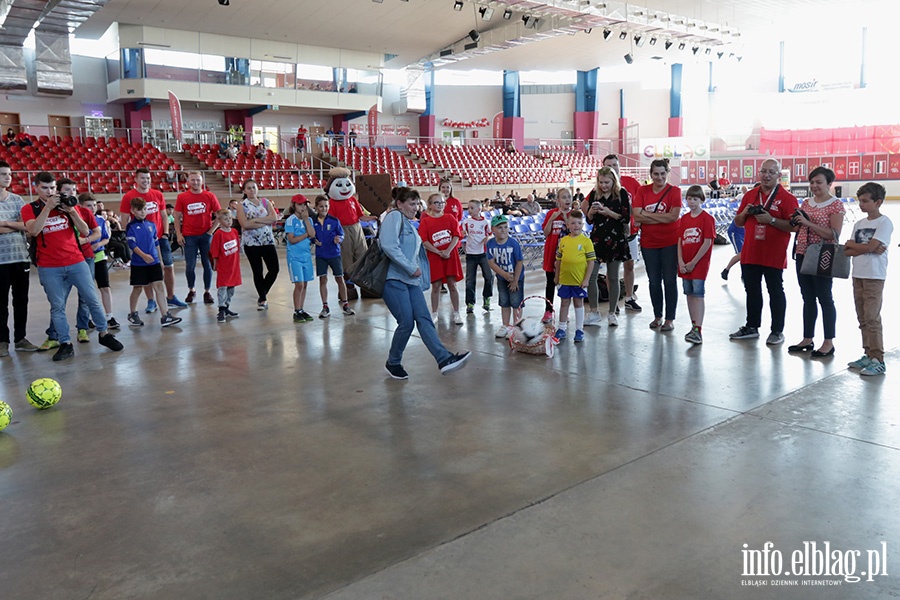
(5, 415)
(44, 393)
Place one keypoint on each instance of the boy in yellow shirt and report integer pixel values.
(573, 255)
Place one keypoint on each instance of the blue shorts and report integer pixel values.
(165, 252)
(300, 270)
(736, 237)
(571, 291)
(322, 264)
(508, 299)
(694, 287)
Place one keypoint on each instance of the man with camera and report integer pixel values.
(765, 214)
(56, 227)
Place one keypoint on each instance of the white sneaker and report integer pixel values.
(593, 318)
(502, 332)
(457, 318)
(434, 317)
(611, 320)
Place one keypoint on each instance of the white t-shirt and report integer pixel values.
(872, 266)
(476, 232)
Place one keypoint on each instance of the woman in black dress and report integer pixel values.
(608, 211)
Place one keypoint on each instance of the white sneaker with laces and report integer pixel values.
(434, 317)
(502, 332)
(611, 320)
(593, 318)
(457, 318)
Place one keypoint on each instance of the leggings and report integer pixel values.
(612, 285)
(256, 255)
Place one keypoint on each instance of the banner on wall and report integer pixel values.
(497, 122)
(372, 122)
(675, 147)
(175, 113)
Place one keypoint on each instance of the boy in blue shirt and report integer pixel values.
(329, 235)
(506, 260)
(146, 269)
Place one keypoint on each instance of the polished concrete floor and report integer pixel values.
(259, 459)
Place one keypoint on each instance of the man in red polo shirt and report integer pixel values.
(156, 214)
(194, 210)
(765, 214)
(61, 265)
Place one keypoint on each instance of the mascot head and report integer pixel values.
(339, 187)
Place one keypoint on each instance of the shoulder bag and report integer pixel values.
(370, 271)
(825, 259)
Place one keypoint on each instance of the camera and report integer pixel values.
(798, 213)
(755, 209)
(67, 200)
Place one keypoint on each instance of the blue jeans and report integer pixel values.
(84, 313)
(407, 304)
(192, 245)
(473, 262)
(662, 269)
(57, 283)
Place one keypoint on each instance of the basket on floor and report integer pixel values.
(541, 344)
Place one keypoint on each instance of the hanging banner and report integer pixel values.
(498, 128)
(373, 123)
(175, 113)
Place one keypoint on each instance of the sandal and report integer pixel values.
(656, 323)
(667, 327)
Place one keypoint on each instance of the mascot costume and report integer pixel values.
(342, 194)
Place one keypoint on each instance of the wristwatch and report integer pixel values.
(772, 222)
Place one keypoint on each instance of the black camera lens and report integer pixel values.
(67, 200)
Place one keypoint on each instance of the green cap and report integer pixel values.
(499, 220)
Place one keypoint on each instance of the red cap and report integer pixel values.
(299, 199)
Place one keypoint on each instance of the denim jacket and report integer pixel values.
(401, 243)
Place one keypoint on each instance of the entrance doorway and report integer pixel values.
(59, 126)
(9, 120)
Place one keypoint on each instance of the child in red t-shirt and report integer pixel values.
(224, 250)
(554, 227)
(696, 233)
(440, 236)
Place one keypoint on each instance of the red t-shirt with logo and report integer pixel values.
(455, 208)
(347, 211)
(439, 230)
(765, 245)
(156, 209)
(197, 211)
(552, 241)
(631, 185)
(56, 244)
(88, 217)
(225, 248)
(692, 232)
(658, 235)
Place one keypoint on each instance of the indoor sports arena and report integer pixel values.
(495, 299)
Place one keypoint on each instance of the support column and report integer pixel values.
(427, 120)
(676, 121)
(135, 112)
(513, 123)
(427, 125)
(586, 118)
(623, 122)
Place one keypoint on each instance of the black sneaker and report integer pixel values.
(112, 323)
(454, 363)
(110, 341)
(220, 318)
(306, 316)
(134, 319)
(298, 317)
(91, 325)
(65, 351)
(725, 274)
(230, 313)
(632, 305)
(744, 333)
(396, 371)
(169, 319)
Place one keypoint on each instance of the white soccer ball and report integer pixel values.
(528, 329)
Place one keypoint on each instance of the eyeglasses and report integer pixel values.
(769, 172)
(439, 202)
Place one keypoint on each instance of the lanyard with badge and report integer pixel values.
(760, 231)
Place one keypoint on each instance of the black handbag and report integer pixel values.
(826, 259)
(370, 271)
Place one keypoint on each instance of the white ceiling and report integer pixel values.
(417, 28)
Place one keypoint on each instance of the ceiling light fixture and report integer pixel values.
(458, 5)
(653, 41)
(588, 30)
(606, 34)
(623, 35)
(628, 58)
(224, 2)
(474, 35)
(530, 22)
(720, 55)
(668, 44)
(638, 41)
(707, 52)
(486, 13)
(695, 50)
(681, 46)
(507, 14)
